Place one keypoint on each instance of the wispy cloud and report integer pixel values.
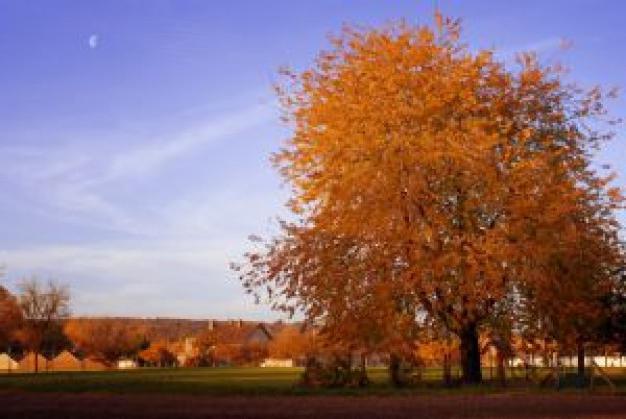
(70, 183)
(93, 41)
(140, 279)
(152, 253)
(151, 157)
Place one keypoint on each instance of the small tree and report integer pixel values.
(158, 355)
(106, 340)
(293, 343)
(205, 345)
(578, 272)
(500, 338)
(44, 307)
(612, 329)
(10, 317)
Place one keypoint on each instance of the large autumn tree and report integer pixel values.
(428, 180)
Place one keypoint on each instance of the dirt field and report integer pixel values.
(17, 405)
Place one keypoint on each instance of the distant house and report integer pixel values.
(7, 364)
(65, 361)
(33, 362)
(236, 343)
(540, 353)
(93, 365)
(126, 364)
(278, 363)
(260, 334)
(186, 351)
(608, 361)
(240, 333)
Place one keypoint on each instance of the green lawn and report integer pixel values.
(148, 380)
(224, 381)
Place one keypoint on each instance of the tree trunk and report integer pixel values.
(363, 380)
(580, 352)
(501, 372)
(394, 370)
(447, 369)
(470, 355)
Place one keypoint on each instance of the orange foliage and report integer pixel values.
(434, 184)
(10, 317)
(44, 307)
(106, 340)
(432, 352)
(158, 355)
(291, 342)
(239, 354)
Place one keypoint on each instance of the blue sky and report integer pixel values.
(134, 135)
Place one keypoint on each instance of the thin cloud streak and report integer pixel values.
(122, 273)
(147, 159)
(184, 243)
(70, 183)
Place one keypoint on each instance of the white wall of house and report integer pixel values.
(535, 361)
(7, 364)
(277, 363)
(608, 361)
(125, 364)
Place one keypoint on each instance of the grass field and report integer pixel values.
(147, 380)
(239, 381)
(203, 393)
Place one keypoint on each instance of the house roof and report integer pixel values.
(6, 362)
(243, 332)
(4, 357)
(28, 362)
(66, 360)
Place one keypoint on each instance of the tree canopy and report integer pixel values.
(43, 308)
(434, 183)
(10, 317)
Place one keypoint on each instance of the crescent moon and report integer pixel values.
(93, 41)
